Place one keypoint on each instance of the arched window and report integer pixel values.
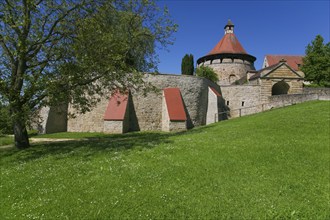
(232, 78)
(280, 88)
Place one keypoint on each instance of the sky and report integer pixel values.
(262, 27)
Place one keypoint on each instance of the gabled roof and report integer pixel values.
(228, 44)
(292, 60)
(271, 69)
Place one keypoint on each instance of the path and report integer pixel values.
(45, 140)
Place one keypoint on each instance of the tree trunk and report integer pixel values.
(21, 135)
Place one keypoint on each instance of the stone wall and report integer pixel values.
(53, 119)
(242, 96)
(257, 103)
(229, 70)
(113, 127)
(145, 112)
(279, 101)
(92, 121)
(212, 108)
(323, 93)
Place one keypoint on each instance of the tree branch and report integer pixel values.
(36, 47)
(6, 49)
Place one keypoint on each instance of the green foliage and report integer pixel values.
(208, 73)
(6, 140)
(74, 51)
(316, 63)
(272, 165)
(187, 65)
(5, 121)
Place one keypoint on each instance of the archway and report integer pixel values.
(280, 88)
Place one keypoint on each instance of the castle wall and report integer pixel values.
(212, 108)
(229, 70)
(92, 121)
(145, 112)
(194, 91)
(242, 96)
(53, 119)
(279, 101)
(323, 93)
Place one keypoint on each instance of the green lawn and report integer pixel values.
(272, 165)
(6, 140)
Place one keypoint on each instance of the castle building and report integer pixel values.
(183, 102)
(229, 59)
(294, 61)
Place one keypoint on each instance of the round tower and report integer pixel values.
(229, 59)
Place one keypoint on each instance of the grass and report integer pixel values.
(6, 139)
(272, 165)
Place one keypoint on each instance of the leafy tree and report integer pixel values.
(69, 50)
(187, 65)
(316, 63)
(208, 73)
(5, 122)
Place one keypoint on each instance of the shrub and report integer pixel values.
(208, 73)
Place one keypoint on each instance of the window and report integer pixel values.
(227, 102)
(242, 103)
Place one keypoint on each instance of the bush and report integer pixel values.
(208, 73)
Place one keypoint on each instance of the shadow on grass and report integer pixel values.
(98, 144)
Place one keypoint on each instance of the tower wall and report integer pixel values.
(230, 71)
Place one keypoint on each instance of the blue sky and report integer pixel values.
(262, 27)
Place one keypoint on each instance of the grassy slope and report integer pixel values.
(270, 165)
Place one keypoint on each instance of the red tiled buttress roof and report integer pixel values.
(228, 44)
(116, 107)
(215, 91)
(175, 107)
(292, 61)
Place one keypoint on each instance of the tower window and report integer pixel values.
(227, 102)
(243, 103)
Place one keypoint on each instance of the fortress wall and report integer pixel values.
(145, 112)
(323, 93)
(52, 119)
(279, 101)
(194, 91)
(242, 96)
(90, 121)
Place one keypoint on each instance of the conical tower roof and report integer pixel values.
(228, 47)
(228, 44)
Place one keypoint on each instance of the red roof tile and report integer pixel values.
(116, 107)
(228, 44)
(292, 61)
(174, 104)
(215, 91)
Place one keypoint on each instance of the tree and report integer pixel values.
(208, 73)
(187, 65)
(316, 63)
(68, 50)
(5, 122)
